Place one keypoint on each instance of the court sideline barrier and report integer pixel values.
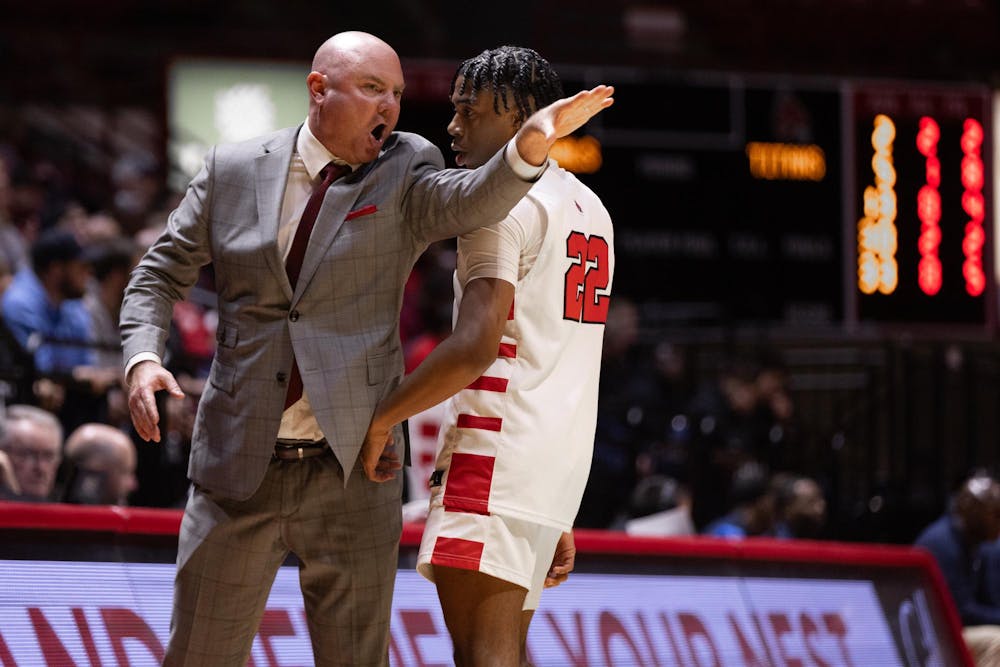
(92, 586)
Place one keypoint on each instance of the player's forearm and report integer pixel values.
(452, 366)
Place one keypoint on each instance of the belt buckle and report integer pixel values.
(301, 451)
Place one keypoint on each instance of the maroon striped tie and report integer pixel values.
(293, 263)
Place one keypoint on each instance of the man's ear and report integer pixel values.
(316, 82)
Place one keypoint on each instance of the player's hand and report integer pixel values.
(378, 457)
(145, 379)
(559, 119)
(562, 561)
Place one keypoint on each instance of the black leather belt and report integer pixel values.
(294, 450)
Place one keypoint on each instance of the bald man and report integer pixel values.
(104, 465)
(311, 232)
(956, 540)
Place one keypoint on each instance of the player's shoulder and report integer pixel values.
(561, 184)
(558, 177)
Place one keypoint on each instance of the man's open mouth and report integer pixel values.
(379, 132)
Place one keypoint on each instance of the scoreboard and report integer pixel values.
(799, 202)
(921, 207)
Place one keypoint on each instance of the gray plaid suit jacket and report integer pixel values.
(342, 320)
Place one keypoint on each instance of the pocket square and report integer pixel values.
(364, 210)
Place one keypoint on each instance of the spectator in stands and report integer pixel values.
(138, 183)
(99, 227)
(13, 250)
(86, 227)
(33, 441)
(800, 508)
(660, 506)
(43, 303)
(6, 274)
(744, 414)
(43, 309)
(956, 539)
(9, 488)
(627, 381)
(103, 466)
(17, 368)
(111, 261)
(752, 505)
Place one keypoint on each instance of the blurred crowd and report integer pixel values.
(708, 452)
(66, 253)
(675, 452)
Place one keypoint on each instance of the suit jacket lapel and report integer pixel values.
(271, 176)
(336, 205)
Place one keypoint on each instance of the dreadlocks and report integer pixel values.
(529, 78)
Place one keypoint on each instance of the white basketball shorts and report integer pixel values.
(509, 549)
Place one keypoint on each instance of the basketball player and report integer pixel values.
(532, 295)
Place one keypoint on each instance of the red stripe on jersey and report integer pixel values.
(489, 383)
(484, 423)
(467, 488)
(456, 552)
(510, 315)
(508, 351)
(429, 429)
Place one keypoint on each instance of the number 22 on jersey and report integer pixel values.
(588, 274)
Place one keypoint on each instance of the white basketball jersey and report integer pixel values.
(519, 440)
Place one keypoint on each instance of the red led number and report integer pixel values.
(974, 205)
(586, 275)
(929, 209)
(877, 231)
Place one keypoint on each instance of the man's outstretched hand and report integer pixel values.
(559, 119)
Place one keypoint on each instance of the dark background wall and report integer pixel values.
(114, 51)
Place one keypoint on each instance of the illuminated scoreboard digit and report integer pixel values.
(919, 219)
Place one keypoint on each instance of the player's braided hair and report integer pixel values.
(520, 71)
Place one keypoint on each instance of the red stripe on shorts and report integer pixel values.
(483, 423)
(507, 351)
(489, 383)
(467, 488)
(456, 552)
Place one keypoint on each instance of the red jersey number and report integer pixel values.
(588, 274)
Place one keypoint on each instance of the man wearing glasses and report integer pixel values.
(32, 441)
